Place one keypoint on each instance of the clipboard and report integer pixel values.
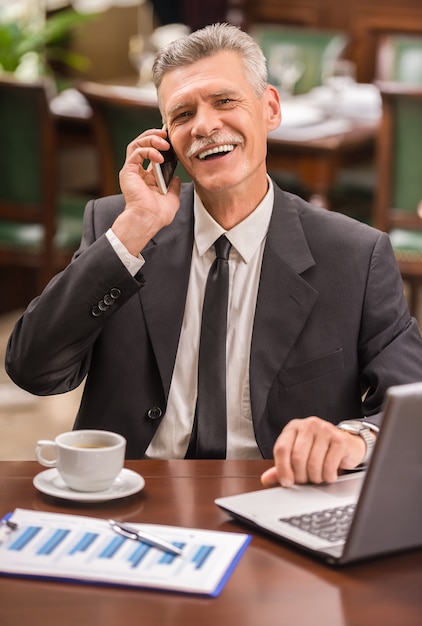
(79, 549)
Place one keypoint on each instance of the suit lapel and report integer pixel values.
(284, 300)
(163, 295)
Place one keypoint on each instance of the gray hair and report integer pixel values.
(207, 42)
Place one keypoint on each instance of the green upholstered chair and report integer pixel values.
(316, 51)
(398, 209)
(39, 228)
(399, 59)
(119, 115)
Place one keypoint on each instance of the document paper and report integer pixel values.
(86, 549)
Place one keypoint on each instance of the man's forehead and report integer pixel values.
(206, 78)
(179, 101)
(221, 65)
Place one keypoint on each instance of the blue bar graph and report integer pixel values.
(139, 554)
(22, 541)
(112, 547)
(57, 537)
(84, 543)
(73, 547)
(202, 555)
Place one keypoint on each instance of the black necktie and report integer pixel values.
(209, 435)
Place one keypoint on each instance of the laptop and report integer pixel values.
(363, 514)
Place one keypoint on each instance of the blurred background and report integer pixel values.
(75, 88)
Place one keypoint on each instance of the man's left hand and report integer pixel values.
(312, 450)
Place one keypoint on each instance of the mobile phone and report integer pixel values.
(165, 171)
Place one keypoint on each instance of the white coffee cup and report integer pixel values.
(87, 460)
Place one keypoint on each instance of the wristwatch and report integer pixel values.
(356, 427)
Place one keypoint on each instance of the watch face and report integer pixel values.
(353, 426)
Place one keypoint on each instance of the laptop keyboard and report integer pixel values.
(330, 524)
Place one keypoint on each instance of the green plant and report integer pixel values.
(49, 42)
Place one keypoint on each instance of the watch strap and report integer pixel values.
(356, 427)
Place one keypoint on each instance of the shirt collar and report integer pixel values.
(245, 237)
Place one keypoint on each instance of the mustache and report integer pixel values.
(199, 145)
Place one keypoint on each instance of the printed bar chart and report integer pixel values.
(77, 548)
(138, 551)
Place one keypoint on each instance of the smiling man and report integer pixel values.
(316, 325)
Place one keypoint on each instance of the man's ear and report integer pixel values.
(273, 107)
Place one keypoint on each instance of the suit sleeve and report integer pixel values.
(49, 351)
(390, 347)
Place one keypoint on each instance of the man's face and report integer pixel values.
(216, 123)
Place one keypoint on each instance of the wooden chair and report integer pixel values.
(317, 50)
(399, 58)
(119, 115)
(398, 207)
(39, 228)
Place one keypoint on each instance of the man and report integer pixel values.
(317, 326)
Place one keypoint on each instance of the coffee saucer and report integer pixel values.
(126, 484)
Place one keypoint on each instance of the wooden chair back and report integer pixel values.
(399, 58)
(31, 213)
(398, 206)
(316, 49)
(120, 114)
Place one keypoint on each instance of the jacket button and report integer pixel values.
(108, 300)
(95, 311)
(115, 293)
(154, 413)
(102, 305)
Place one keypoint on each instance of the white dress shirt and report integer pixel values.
(248, 240)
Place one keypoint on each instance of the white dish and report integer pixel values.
(294, 114)
(126, 484)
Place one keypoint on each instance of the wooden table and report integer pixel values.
(318, 162)
(272, 585)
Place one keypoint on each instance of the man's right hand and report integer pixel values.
(147, 211)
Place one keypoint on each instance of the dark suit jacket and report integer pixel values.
(331, 324)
